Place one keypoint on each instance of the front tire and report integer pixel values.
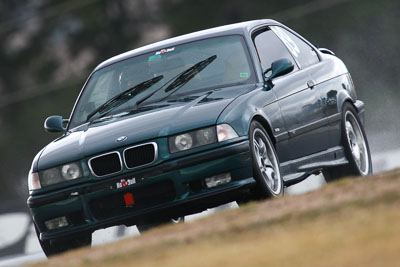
(57, 246)
(266, 168)
(355, 143)
(146, 226)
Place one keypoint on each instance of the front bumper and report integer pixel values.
(171, 189)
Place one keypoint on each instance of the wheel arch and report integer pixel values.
(350, 102)
(342, 98)
(265, 124)
(345, 97)
(358, 107)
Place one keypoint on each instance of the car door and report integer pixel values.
(314, 136)
(298, 100)
(269, 48)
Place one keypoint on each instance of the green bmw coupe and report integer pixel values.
(232, 113)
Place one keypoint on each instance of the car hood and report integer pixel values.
(150, 122)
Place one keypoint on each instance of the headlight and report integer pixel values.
(71, 171)
(183, 142)
(225, 132)
(189, 140)
(60, 174)
(205, 136)
(33, 181)
(50, 176)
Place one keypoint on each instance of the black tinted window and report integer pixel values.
(304, 54)
(270, 48)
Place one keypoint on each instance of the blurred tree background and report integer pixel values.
(49, 47)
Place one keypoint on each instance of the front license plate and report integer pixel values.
(129, 200)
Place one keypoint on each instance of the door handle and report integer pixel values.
(310, 84)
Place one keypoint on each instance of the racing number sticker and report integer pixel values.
(124, 182)
(163, 51)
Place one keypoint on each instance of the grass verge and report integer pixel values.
(351, 222)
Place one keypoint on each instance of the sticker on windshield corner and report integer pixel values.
(244, 75)
(163, 51)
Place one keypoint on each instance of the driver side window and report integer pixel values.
(304, 54)
(270, 48)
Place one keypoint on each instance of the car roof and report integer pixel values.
(237, 28)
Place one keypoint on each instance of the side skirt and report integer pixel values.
(295, 171)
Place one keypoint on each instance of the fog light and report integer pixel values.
(217, 180)
(56, 223)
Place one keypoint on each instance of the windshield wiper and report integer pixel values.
(181, 79)
(125, 96)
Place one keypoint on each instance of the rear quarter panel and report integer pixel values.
(335, 87)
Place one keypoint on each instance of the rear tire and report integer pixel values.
(57, 246)
(355, 143)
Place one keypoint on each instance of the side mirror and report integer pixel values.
(279, 67)
(54, 124)
(326, 51)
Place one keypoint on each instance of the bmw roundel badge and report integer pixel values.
(121, 139)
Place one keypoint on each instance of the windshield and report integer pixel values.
(229, 66)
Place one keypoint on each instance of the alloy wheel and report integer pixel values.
(267, 161)
(357, 143)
